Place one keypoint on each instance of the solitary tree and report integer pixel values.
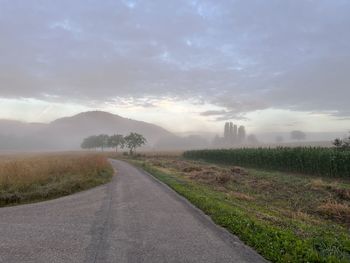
(297, 135)
(115, 141)
(338, 143)
(134, 140)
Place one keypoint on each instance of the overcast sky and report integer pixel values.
(186, 65)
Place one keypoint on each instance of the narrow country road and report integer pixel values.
(132, 219)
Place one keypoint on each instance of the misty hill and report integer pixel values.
(85, 124)
(68, 132)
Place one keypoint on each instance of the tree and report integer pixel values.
(343, 144)
(235, 133)
(241, 134)
(227, 131)
(115, 141)
(90, 142)
(134, 140)
(85, 144)
(337, 142)
(297, 135)
(102, 141)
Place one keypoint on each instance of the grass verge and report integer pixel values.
(273, 225)
(42, 177)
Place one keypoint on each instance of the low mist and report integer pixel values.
(68, 133)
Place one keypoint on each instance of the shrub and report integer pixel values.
(334, 210)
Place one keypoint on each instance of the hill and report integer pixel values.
(67, 133)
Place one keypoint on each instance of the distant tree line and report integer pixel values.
(297, 135)
(102, 141)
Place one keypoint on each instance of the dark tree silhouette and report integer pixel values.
(343, 144)
(134, 140)
(90, 142)
(115, 141)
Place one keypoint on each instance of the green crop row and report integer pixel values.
(328, 162)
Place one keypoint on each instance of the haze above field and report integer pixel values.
(273, 66)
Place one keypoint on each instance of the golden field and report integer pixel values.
(34, 177)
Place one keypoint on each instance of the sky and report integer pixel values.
(186, 65)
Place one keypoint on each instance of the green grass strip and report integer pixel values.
(275, 244)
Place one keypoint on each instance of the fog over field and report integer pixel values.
(175, 131)
(174, 71)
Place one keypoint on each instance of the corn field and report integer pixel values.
(307, 160)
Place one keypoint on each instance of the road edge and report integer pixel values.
(223, 233)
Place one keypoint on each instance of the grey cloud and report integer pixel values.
(235, 108)
(240, 55)
(231, 115)
(320, 85)
(213, 112)
(145, 102)
(223, 115)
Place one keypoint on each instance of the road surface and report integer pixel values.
(134, 218)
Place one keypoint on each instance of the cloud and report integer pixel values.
(224, 115)
(213, 112)
(241, 56)
(320, 85)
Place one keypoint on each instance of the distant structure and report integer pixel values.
(233, 135)
(235, 132)
(227, 131)
(241, 134)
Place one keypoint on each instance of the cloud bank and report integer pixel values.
(239, 55)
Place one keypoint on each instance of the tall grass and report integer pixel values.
(34, 178)
(309, 160)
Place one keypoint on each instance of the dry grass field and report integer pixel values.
(35, 177)
(292, 195)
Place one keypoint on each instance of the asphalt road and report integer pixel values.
(134, 218)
